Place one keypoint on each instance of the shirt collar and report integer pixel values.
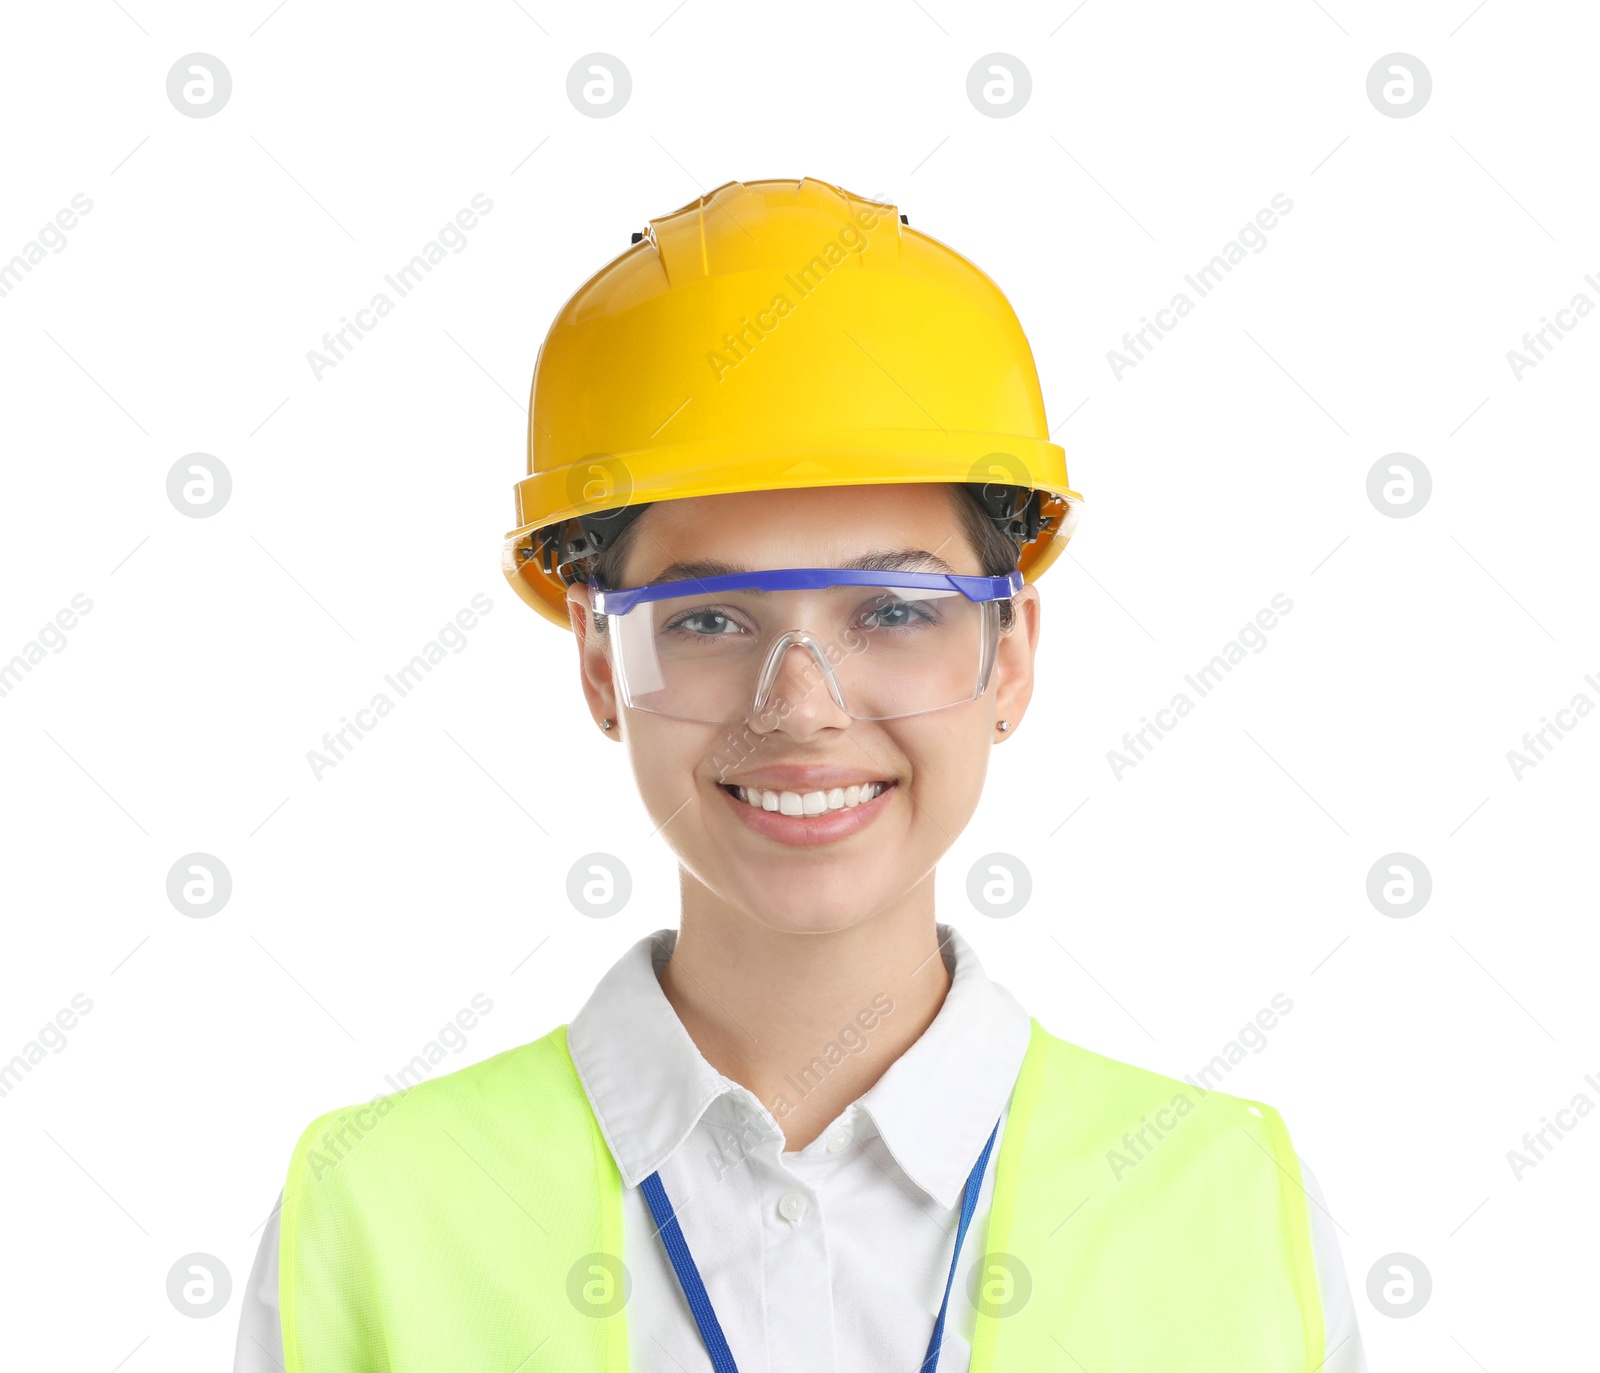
(934, 1108)
(938, 1101)
(646, 1081)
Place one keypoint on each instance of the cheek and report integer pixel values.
(948, 760)
(671, 759)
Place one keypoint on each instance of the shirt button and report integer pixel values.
(837, 1141)
(793, 1206)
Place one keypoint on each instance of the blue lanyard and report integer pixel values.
(694, 1290)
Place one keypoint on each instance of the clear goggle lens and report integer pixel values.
(738, 654)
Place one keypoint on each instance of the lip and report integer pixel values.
(801, 831)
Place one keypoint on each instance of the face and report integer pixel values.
(831, 871)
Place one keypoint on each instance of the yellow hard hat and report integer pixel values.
(773, 335)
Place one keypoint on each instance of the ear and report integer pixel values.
(594, 661)
(1012, 681)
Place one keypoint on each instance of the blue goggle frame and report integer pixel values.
(614, 601)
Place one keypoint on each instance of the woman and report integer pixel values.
(790, 486)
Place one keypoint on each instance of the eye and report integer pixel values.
(897, 615)
(702, 622)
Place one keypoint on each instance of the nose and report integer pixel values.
(797, 689)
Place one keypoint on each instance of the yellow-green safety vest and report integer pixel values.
(1139, 1224)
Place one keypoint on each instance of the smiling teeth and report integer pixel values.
(810, 802)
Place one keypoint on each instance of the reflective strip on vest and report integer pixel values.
(1138, 1223)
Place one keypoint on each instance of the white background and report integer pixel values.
(368, 506)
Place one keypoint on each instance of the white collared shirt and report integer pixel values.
(828, 1259)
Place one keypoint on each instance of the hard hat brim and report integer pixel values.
(607, 481)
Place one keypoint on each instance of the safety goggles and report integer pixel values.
(729, 649)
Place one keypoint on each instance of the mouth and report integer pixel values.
(808, 802)
(803, 818)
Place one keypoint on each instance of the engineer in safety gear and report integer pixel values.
(790, 489)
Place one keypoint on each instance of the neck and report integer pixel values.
(807, 1021)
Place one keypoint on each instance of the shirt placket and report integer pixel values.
(800, 1319)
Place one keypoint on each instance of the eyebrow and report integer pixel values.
(880, 560)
